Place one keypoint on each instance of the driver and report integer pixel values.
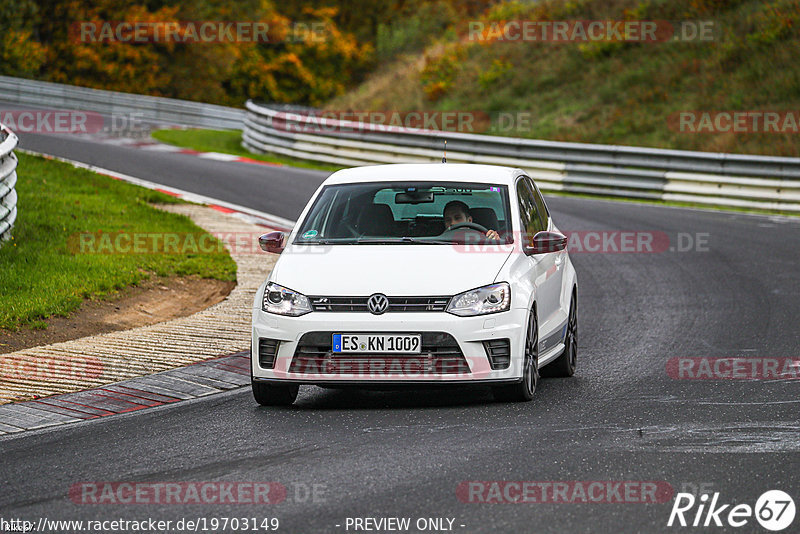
(456, 212)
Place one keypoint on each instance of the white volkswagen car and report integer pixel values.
(417, 274)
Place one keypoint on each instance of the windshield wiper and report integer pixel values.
(405, 240)
(394, 240)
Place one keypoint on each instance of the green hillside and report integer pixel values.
(609, 91)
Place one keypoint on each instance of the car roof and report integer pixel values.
(426, 172)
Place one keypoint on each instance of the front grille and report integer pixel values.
(396, 304)
(499, 353)
(440, 355)
(267, 350)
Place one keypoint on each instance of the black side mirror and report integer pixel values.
(544, 242)
(272, 242)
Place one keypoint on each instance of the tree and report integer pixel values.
(20, 53)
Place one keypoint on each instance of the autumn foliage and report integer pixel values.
(38, 41)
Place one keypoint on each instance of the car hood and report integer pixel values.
(402, 270)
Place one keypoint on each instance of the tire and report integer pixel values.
(274, 395)
(564, 365)
(524, 390)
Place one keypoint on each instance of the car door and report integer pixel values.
(562, 301)
(544, 271)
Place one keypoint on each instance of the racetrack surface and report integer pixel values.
(404, 453)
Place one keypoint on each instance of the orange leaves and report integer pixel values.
(208, 50)
(20, 55)
(313, 62)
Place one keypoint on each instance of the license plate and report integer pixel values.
(378, 343)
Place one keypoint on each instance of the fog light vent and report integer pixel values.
(499, 353)
(267, 351)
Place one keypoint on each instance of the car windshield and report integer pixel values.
(408, 213)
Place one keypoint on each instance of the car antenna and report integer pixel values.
(444, 158)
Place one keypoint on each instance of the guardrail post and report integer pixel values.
(8, 179)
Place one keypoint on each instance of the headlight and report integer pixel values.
(487, 299)
(283, 301)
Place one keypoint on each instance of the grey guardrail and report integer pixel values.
(147, 108)
(674, 175)
(8, 179)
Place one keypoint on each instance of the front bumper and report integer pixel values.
(468, 332)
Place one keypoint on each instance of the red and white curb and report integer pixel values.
(167, 387)
(195, 380)
(244, 213)
(162, 147)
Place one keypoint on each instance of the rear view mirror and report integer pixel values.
(544, 242)
(414, 197)
(272, 242)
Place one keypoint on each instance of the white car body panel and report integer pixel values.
(546, 280)
(389, 269)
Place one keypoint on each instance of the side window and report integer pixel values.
(528, 209)
(541, 208)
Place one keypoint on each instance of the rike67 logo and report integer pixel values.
(774, 510)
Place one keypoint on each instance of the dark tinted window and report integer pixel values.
(529, 208)
(541, 208)
(348, 213)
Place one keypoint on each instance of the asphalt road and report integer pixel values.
(404, 453)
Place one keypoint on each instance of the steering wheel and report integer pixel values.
(467, 226)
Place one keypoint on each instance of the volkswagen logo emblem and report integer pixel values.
(377, 303)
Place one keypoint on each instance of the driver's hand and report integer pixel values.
(491, 234)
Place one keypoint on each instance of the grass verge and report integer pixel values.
(229, 142)
(39, 275)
